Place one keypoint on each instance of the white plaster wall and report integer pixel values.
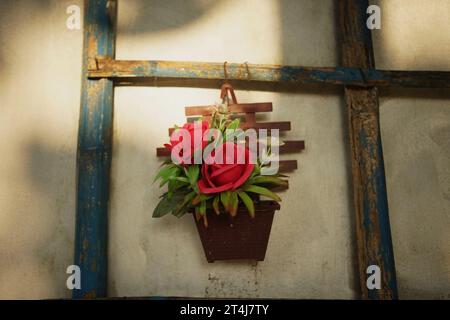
(310, 249)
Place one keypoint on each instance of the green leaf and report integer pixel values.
(201, 197)
(233, 203)
(225, 199)
(192, 173)
(167, 204)
(230, 131)
(248, 203)
(234, 124)
(215, 204)
(170, 188)
(202, 208)
(163, 207)
(181, 211)
(184, 206)
(164, 172)
(256, 171)
(176, 184)
(170, 174)
(182, 179)
(202, 212)
(263, 191)
(271, 180)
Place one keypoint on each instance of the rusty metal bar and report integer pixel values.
(126, 72)
(94, 153)
(374, 243)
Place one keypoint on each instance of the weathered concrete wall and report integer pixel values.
(310, 249)
(39, 106)
(415, 128)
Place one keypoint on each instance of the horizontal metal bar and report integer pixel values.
(128, 71)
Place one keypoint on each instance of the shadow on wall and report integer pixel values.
(411, 36)
(47, 169)
(322, 39)
(10, 12)
(37, 244)
(417, 151)
(151, 15)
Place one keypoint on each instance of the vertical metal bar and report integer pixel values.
(94, 152)
(374, 243)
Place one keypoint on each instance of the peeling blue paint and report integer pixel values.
(94, 158)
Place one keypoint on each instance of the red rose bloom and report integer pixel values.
(190, 128)
(225, 173)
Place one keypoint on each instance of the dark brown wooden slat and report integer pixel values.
(281, 125)
(250, 118)
(162, 152)
(280, 188)
(233, 108)
(287, 165)
(292, 146)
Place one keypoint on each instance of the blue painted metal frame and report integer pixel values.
(373, 233)
(126, 72)
(94, 153)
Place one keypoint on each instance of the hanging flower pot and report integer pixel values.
(239, 237)
(218, 172)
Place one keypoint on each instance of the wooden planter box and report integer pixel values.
(239, 237)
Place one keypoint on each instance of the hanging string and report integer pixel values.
(224, 91)
(225, 72)
(247, 70)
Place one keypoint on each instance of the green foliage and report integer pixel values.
(200, 198)
(167, 173)
(215, 204)
(263, 191)
(233, 125)
(225, 199)
(233, 204)
(183, 194)
(267, 181)
(169, 204)
(192, 174)
(184, 206)
(248, 202)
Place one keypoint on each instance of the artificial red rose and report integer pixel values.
(223, 171)
(190, 127)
